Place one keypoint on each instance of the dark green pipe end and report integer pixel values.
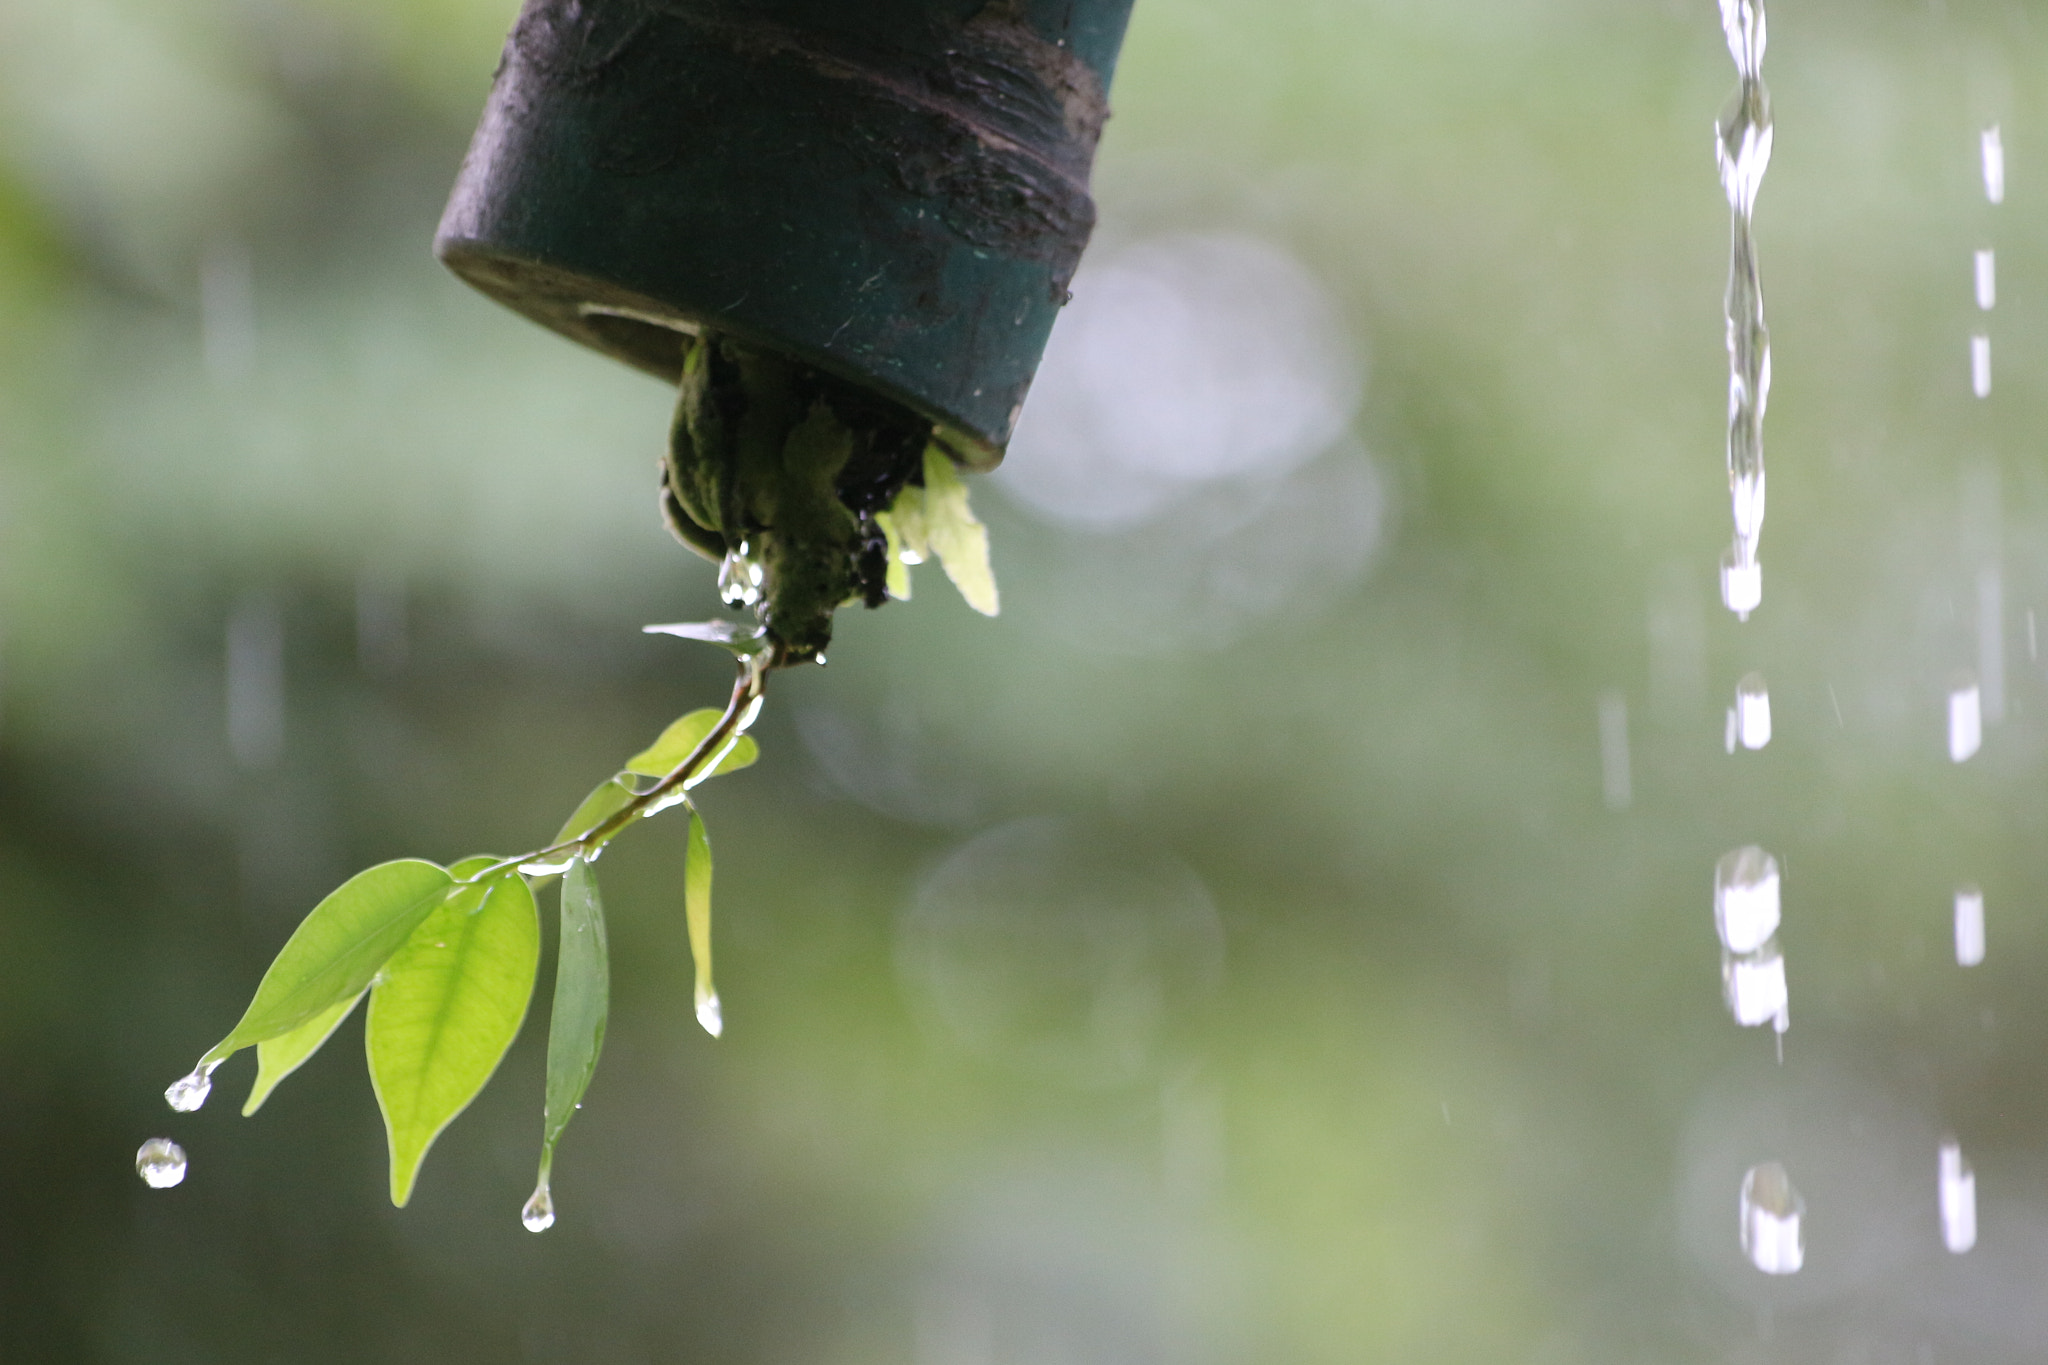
(894, 192)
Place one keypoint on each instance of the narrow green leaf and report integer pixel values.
(898, 581)
(741, 640)
(449, 1005)
(338, 948)
(697, 910)
(582, 1000)
(681, 739)
(607, 799)
(279, 1057)
(957, 538)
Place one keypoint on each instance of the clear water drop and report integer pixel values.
(740, 577)
(161, 1163)
(1987, 279)
(1746, 900)
(1992, 150)
(709, 1013)
(539, 1213)
(1753, 984)
(1965, 718)
(1742, 145)
(1742, 583)
(1957, 1185)
(1753, 711)
(1969, 926)
(187, 1093)
(1771, 1215)
(548, 867)
(1980, 365)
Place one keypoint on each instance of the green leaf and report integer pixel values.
(697, 910)
(449, 1005)
(279, 1057)
(338, 948)
(607, 799)
(898, 582)
(681, 739)
(957, 538)
(582, 1000)
(741, 640)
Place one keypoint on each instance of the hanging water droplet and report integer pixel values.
(1958, 1193)
(1771, 1214)
(1753, 711)
(1754, 987)
(1746, 908)
(1742, 583)
(740, 577)
(1987, 280)
(709, 1013)
(187, 1093)
(1965, 718)
(1993, 151)
(539, 1213)
(1969, 926)
(1980, 365)
(160, 1163)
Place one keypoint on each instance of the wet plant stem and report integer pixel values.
(747, 692)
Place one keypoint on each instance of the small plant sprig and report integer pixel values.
(449, 956)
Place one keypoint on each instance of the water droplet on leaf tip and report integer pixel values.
(160, 1163)
(539, 1213)
(187, 1093)
(710, 1015)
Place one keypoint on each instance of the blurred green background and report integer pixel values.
(1243, 949)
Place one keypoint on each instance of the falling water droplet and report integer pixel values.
(1969, 926)
(1771, 1214)
(1753, 711)
(1742, 150)
(1987, 279)
(1993, 150)
(539, 1213)
(1965, 718)
(160, 1163)
(1980, 365)
(709, 1013)
(187, 1093)
(1958, 1190)
(1746, 907)
(1728, 732)
(1754, 986)
(1742, 584)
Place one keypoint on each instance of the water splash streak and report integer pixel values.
(1742, 148)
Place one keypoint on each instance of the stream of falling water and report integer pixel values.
(1742, 147)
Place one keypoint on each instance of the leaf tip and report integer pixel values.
(709, 1013)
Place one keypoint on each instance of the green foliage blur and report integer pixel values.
(1277, 974)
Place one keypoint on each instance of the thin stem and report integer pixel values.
(747, 691)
